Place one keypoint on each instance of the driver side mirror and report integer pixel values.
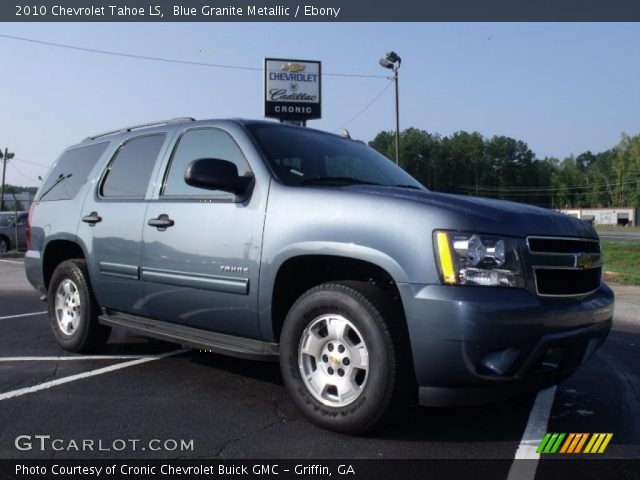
(216, 174)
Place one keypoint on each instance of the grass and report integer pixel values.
(616, 228)
(623, 261)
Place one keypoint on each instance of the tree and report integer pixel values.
(505, 167)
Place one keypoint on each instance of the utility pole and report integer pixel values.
(395, 80)
(392, 61)
(15, 220)
(5, 158)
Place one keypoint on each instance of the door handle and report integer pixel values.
(162, 222)
(92, 218)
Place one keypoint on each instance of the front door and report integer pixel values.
(201, 253)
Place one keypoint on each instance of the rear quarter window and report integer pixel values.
(70, 172)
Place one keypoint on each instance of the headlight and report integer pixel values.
(473, 259)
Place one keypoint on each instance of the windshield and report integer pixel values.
(310, 157)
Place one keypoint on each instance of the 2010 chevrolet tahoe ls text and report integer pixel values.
(269, 241)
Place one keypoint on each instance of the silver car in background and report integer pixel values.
(8, 231)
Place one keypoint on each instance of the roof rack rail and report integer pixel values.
(142, 125)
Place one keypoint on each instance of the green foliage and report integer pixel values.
(623, 259)
(506, 168)
(8, 188)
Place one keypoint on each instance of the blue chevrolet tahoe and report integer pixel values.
(275, 242)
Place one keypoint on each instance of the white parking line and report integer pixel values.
(11, 261)
(80, 357)
(22, 315)
(532, 436)
(90, 373)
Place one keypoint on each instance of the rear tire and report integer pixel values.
(73, 310)
(4, 245)
(344, 357)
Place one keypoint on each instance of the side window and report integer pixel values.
(70, 173)
(196, 144)
(129, 172)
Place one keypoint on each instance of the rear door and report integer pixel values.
(202, 270)
(112, 219)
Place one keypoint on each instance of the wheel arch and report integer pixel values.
(6, 239)
(305, 268)
(57, 251)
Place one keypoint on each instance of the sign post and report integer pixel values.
(292, 90)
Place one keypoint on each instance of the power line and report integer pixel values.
(166, 60)
(367, 106)
(31, 163)
(21, 173)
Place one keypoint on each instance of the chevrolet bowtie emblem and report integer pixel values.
(582, 261)
(293, 67)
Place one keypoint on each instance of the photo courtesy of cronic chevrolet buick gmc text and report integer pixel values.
(269, 241)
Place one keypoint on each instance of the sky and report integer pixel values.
(563, 88)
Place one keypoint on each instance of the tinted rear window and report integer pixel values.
(129, 172)
(71, 172)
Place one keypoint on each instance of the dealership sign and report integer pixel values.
(292, 89)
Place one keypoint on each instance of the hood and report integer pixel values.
(489, 215)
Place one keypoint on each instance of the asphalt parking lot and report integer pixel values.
(237, 409)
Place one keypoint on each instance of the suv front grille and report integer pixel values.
(562, 245)
(564, 267)
(567, 282)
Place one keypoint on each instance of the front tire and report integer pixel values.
(73, 311)
(343, 357)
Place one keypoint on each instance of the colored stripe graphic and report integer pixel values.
(594, 437)
(567, 443)
(556, 445)
(607, 439)
(543, 443)
(581, 442)
(600, 442)
(573, 443)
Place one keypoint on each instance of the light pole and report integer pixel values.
(392, 62)
(5, 158)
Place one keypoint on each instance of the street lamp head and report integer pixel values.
(393, 57)
(391, 61)
(386, 63)
(10, 155)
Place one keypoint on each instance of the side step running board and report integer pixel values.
(194, 337)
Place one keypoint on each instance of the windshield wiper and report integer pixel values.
(347, 180)
(61, 178)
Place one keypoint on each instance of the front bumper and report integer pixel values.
(474, 345)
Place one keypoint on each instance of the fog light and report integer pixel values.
(498, 362)
(552, 359)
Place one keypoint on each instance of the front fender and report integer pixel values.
(352, 251)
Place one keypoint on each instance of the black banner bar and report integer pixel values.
(319, 10)
(564, 469)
